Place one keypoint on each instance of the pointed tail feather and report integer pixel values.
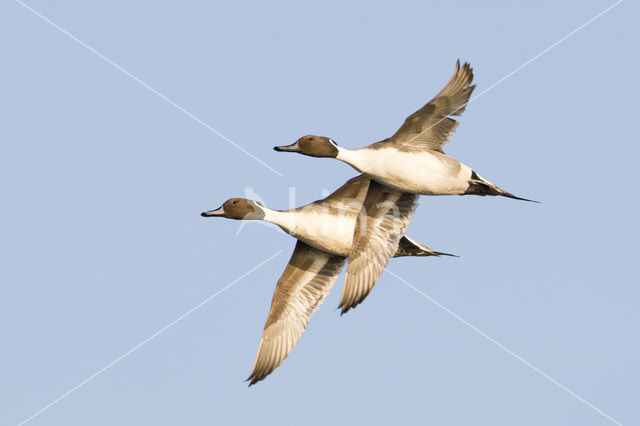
(409, 247)
(439, 253)
(508, 195)
(482, 187)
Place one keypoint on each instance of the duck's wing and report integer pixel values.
(383, 221)
(432, 126)
(346, 200)
(301, 289)
(353, 190)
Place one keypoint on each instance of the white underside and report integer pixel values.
(324, 231)
(418, 172)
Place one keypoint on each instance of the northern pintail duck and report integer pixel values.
(412, 160)
(362, 221)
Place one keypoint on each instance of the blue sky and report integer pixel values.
(103, 181)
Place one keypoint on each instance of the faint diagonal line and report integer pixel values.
(503, 347)
(541, 53)
(492, 340)
(145, 341)
(142, 83)
(544, 51)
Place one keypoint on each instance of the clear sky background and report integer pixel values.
(103, 182)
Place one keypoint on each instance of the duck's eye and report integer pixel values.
(310, 139)
(235, 202)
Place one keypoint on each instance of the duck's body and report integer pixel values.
(362, 221)
(329, 224)
(334, 233)
(326, 228)
(412, 160)
(424, 172)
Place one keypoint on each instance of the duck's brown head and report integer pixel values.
(314, 146)
(239, 209)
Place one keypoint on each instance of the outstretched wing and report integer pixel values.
(354, 190)
(383, 221)
(301, 289)
(431, 126)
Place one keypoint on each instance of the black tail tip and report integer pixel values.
(520, 198)
(439, 253)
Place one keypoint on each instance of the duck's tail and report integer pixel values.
(480, 186)
(409, 247)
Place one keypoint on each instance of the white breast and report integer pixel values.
(328, 232)
(418, 172)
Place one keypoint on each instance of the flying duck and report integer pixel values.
(363, 221)
(412, 160)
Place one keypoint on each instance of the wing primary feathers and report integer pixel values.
(432, 126)
(301, 289)
(386, 215)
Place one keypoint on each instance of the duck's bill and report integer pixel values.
(216, 212)
(294, 147)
